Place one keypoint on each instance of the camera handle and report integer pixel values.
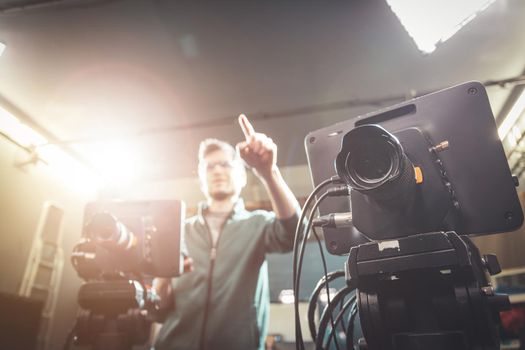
(428, 291)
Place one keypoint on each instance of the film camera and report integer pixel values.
(421, 177)
(124, 245)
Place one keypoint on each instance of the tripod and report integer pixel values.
(428, 291)
(112, 317)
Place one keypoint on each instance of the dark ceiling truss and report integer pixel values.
(298, 111)
(17, 6)
(379, 102)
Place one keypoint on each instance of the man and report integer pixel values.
(223, 302)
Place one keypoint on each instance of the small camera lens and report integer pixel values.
(371, 164)
(372, 161)
(104, 227)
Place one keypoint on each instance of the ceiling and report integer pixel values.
(162, 75)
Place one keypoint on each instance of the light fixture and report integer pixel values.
(432, 22)
(286, 296)
(512, 117)
(69, 170)
(116, 161)
(2, 48)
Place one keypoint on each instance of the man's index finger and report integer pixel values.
(246, 126)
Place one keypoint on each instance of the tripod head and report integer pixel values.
(114, 314)
(429, 292)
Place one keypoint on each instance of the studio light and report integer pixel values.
(65, 167)
(432, 22)
(286, 296)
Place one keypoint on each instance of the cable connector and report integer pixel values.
(336, 180)
(333, 220)
(342, 190)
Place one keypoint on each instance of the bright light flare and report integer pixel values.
(19, 132)
(432, 22)
(70, 171)
(2, 48)
(116, 161)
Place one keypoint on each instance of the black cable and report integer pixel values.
(325, 268)
(298, 334)
(312, 304)
(305, 235)
(339, 317)
(350, 328)
(343, 325)
(335, 191)
(303, 249)
(327, 316)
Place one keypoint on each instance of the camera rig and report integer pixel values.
(409, 184)
(124, 245)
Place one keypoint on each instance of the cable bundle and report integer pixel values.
(344, 300)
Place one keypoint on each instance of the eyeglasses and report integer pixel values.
(225, 164)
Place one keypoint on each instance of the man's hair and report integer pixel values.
(211, 145)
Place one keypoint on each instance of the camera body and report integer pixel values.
(122, 238)
(467, 186)
(399, 185)
(124, 245)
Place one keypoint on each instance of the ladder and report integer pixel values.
(43, 272)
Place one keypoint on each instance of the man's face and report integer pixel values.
(221, 177)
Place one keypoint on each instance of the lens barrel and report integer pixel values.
(372, 161)
(104, 227)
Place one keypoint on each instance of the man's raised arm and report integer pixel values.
(260, 153)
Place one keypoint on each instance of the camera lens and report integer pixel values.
(104, 227)
(371, 164)
(372, 161)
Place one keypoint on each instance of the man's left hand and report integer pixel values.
(258, 151)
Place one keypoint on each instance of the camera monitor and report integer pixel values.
(131, 237)
(429, 164)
